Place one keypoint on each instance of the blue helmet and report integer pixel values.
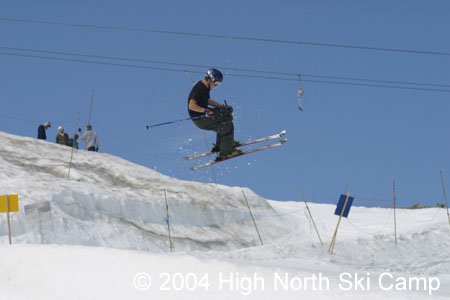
(215, 75)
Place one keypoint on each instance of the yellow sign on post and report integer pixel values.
(12, 200)
(8, 204)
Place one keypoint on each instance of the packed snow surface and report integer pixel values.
(101, 231)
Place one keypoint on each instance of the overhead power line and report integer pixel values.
(223, 36)
(191, 68)
(277, 73)
(229, 74)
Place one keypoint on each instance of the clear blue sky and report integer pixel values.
(355, 135)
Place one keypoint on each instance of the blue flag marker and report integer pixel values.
(340, 205)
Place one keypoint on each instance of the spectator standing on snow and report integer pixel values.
(42, 135)
(62, 138)
(90, 138)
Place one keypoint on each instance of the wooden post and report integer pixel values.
(395, 207)
(8, 218)
(168, 222)
(253, 218)
(89, 119)
(90, 108)
(71, 153)
(310, 215)
(333, 240)
(445, 197)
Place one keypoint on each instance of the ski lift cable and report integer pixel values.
(224, 36)
(341, 80)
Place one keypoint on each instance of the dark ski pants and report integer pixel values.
(222, 124)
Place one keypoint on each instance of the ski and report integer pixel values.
(213, 162)
(251, 142)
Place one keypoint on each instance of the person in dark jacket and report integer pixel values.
(41, 130)
(73, 142)
(208, 114)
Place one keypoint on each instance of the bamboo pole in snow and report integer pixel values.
(168, 221)
(395, 207)
(253, 218)
(445, 197)
(310, 215)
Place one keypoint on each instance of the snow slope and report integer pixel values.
(113, 203)
(119, 208)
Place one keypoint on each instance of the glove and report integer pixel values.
(208, 113)
(226, 109)
(229, 109)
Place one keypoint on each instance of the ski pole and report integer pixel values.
(172, 122)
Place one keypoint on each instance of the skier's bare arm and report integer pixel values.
(214, 103)
(194, 106)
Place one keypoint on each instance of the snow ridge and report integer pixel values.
(111, 202)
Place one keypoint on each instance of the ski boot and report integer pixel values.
(216, 148)
(235, 152)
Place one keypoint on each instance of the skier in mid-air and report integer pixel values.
(208, 114)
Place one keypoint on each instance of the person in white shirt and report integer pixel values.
(90, 138)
